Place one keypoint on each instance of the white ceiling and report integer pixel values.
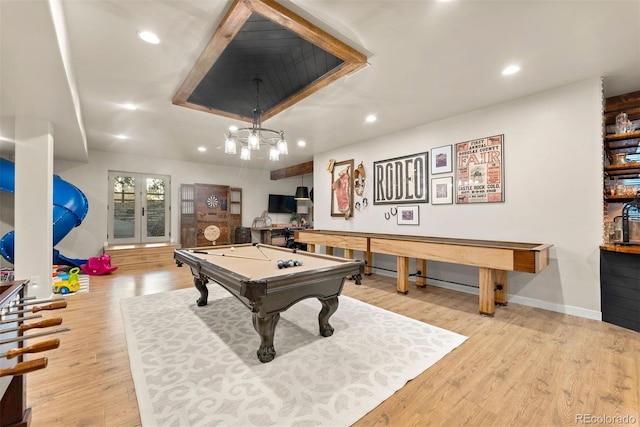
(429, 60)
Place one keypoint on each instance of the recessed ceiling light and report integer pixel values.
(129, 106)
(149, 37)
(121, 136)
(301, 143)
(202, 149)
(371, 118)
(511, 69)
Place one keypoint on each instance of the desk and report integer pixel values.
(251, 274)
(494, 258)
(274, 235)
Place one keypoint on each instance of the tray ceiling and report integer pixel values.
(259, 39)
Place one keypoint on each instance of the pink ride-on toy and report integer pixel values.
(97, 266)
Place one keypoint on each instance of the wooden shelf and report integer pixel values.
(625, 170)
(618, 199)
(626, 174)
(622, 136)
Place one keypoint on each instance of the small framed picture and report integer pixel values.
(408, 215)
(442, 190)
(441, 161)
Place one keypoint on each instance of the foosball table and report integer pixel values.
(19, 314)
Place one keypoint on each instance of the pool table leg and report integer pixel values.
(265, 327)
(329, 306)
(201, 286)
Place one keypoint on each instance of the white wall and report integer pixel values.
(553, 192)
(553, 187)
(87, 240)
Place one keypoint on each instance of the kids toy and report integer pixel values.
(67, 282)
(97, 266)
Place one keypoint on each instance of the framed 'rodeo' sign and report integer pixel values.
(401, 180)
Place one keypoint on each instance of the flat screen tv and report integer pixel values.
(279, 203)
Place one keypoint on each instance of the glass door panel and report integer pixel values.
(124, 209)
(139, 208)
(155, 213)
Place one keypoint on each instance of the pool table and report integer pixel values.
(251, 273)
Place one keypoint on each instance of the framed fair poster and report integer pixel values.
(480, 170)
(441, 161)
(342, 189)
(442, 190)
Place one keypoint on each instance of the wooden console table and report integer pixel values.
(494, 258)
(274, 235)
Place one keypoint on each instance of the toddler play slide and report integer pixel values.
(70, 207)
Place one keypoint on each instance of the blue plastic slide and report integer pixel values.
(70, 207)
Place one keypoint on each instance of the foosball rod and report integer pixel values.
(24, 304)
(24, 367)
(44, 323)
(53, 306)
(34, 348)
(27, 337)
(20, 319)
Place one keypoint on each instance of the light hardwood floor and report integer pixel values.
(523, 367)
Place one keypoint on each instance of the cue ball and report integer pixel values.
(291, 263)
(232, 249)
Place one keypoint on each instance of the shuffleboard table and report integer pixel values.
(493, 258)
(251, 273)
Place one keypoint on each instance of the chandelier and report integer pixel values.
(250, 138)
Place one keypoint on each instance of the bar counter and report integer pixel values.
(620, 285)
(627, 249)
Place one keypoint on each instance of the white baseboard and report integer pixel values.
(530, 302)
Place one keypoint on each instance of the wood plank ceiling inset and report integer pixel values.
(260, 39)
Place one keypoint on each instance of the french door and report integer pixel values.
(139, 208)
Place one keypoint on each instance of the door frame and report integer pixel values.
(140, 206)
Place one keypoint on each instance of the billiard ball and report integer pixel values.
(281, 264)
(232, 249)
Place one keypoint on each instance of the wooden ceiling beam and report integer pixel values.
(295, 170)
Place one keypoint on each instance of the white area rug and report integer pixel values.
(197, 366)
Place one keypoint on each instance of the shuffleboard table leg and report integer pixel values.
(501, 287)
(486, 292)
(402, 264)
(329, 306)
(265, 327)
(421, 274)
(201, 286)
(368, 262)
